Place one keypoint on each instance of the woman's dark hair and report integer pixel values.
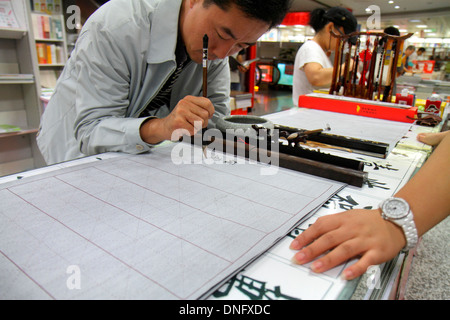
(270, 11)
(316, 19)
(393, 31)
(320, 17)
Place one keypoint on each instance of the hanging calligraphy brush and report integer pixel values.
(378, 84)
(370, 79)
(355, 70)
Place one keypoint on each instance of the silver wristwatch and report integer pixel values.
(397, 211)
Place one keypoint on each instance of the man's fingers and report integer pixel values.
(198, 118)
(198, 104)
(201, 111)
(196, 123)
(193, 110)
(189, 116)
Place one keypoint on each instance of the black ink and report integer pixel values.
(252, 288)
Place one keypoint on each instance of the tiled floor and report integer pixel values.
(271, 101)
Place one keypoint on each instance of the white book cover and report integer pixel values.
(7, 17)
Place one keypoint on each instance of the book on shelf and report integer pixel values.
(48, 79)
(46, 94)
(41, 53)
(46, 27)
(8, 128)
(47, 6)
(7, 17)
(49, 53)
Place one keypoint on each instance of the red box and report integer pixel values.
(407, 100)
(359, 107)
(433, 106)
(427, 66)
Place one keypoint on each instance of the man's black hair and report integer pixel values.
(270, 11)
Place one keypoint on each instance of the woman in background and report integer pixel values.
(313, 68)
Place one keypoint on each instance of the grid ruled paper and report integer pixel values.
(143, 227)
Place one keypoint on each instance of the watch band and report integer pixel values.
(406, 223)
(410, 230)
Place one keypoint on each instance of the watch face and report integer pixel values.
(396, 208)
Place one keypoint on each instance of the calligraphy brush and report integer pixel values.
(205, 65)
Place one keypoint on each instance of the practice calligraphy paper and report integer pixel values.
(144, 227)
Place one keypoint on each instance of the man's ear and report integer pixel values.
(193, 2)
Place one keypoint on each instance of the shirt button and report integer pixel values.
(139, 147)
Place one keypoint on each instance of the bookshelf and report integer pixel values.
(51, 47)
(20, 107)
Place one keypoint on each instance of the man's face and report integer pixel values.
(228, 31)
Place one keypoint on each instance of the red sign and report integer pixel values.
(296, 18)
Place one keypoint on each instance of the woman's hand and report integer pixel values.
(358, 232)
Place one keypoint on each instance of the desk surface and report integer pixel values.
(259, 281)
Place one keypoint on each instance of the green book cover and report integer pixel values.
(6, 128)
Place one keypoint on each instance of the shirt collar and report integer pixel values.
(164, 31)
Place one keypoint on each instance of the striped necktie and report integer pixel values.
(163, 96)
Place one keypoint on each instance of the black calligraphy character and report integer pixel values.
(252, 288)
(373, 183)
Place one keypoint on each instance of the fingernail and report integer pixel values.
(316, 266)
(295, 245)
(347, 275)
(299, 257)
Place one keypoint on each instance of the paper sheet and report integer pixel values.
(142, 227)
(365, 128)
